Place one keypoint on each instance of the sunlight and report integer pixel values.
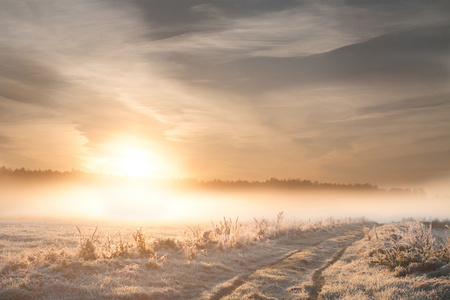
(136, 162)
(133, 157)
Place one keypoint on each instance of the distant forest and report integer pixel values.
(189, 183)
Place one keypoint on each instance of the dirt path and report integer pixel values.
(236, 282)
(296, 275)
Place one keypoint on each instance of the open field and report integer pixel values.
(267, 259)
(252, 149)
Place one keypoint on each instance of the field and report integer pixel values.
(265, 259)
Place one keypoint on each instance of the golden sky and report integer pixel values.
(341, 91)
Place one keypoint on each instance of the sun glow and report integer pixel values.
(129, 158)
(136, 162)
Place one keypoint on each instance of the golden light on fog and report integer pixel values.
(131, 157)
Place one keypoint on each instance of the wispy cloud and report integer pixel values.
(293, 29)
(424, 102)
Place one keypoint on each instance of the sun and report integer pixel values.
(126, 159)
(136, 162)
(133, 157)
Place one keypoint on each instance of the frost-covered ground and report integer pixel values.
(405, 260)
(50, 259)
(266, 259)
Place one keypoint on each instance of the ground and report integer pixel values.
(267, 260)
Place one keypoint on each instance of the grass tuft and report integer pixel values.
(156, 262)
(141, 243)
(87, 249)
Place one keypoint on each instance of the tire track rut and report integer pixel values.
(317, 278)
(238, 281)
(297, 274)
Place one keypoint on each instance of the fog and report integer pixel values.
(138, 201)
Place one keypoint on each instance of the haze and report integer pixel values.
(155, 202)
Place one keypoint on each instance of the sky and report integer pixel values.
(333, 91)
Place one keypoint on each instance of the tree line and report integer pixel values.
(215, 184)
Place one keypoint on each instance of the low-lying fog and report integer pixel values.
(140, 202)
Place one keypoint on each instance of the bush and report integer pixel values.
(413, 250)
(436, 223)
(87, 249)
(166, 243)
(155, 262)
(140, 242)
(261, 227)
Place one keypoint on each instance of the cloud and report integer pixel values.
(227, 30)
(411, 56)
(232, 89)
(4, 139)
(170, 18)
(424, 102)
(75, 65)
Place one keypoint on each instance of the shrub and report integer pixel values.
(413, 250)
(88, 246)
(87, 249)
(261, 227)
(280, 218)
(111, 250)
(195, 243)
(166, 243)
(224, 228)
(228, 234)
(436, 223)
(121, 249)
(140, 242)
(155, 262)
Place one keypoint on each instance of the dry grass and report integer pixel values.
(223, 236)
(266, 259)
(407, 260)
(410, 248)
(126, 264)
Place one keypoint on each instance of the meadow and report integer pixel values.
(277, 258)
(114, 238)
